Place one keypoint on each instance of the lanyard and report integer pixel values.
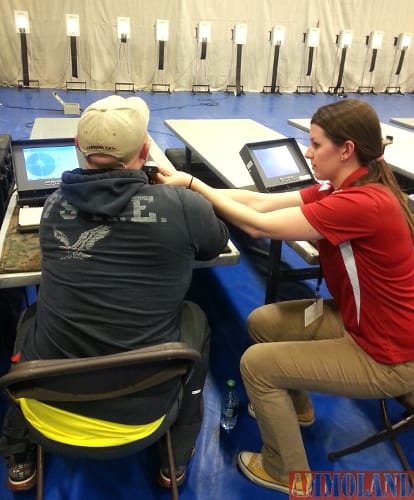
(318, 284)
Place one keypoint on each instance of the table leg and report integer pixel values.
(273, 274)
(188, 159)
(276, 274)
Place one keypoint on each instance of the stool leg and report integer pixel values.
(390, 432)
(171, 465)
(40, 471)
(393, 430)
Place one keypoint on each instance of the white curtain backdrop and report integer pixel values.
(104, 60)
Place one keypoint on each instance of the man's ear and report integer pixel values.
(145, 150)
(76, 141)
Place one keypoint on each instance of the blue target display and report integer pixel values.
(40, 165)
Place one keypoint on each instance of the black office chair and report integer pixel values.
(390, 431)
(103, 378)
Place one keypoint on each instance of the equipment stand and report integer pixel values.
(306, 89)
(368, 89)
(396, 89)
(161, 87)
(202, 87)
(338, 90)
(273, 88)
(238, 88)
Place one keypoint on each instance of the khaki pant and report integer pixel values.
(289, 359)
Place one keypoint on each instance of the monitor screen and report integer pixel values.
(49, 162)
(39, 163)
(277, 161)
(277, 165)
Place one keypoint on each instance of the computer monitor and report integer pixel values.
(39, 164)
(277, 165)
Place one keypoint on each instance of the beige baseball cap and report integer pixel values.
(115, 126)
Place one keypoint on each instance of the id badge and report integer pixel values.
(313, 312)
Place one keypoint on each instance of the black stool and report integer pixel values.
(390, 431)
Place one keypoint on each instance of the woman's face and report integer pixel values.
(324, 155)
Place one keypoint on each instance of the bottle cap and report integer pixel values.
(231, 383)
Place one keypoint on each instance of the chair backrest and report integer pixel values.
(100, 377)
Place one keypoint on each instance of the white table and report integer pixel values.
(218, 143)
(404, 122)
(54, 128)
(66, 128)
(17, 279)
(399, 154)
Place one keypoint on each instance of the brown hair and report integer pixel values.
(355, 120)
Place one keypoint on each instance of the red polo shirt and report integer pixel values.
(368, 263)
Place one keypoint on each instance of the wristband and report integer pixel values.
(191, 181)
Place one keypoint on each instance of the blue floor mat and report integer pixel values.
(227, 295)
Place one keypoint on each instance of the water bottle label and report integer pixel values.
(228, 412)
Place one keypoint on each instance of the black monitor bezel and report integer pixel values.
(303, 174)
(36, 186)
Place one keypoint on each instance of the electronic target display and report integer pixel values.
(39, 165)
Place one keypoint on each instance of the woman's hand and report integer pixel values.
(172, 177)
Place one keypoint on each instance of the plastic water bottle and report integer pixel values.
(229, 406)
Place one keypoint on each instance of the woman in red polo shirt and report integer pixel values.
(364, 337)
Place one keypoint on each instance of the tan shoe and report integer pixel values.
(305, 419)
(252, 467)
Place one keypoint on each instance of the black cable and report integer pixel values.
(161, 55)
(74, 56)
(310, 61)
(238, 68)
(25, 64)
(275, 65)
(373, 59)
(203, 54)
(400, 62)
(341, 68)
